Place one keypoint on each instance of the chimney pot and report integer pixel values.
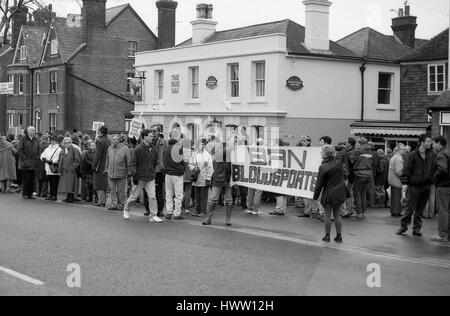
(407, 10)
(204, 26)
(400, 12)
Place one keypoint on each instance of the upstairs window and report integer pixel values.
(234, 80)
(384, 88)
(194, 76)
(436, 78)
(132, 49)
(159, 74)
(10, 120)
(38, 83)
(21, 83)
(54, 47)
(260, 79)
(52, 122)
(53, 81)
(23, 53)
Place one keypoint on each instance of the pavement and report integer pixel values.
(258, 255)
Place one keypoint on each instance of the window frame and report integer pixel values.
(159, 84)
(54, 47)
(258, 81)
(234, 89)
(10, 120)
(38, 83)
(54, 84)
(23, 53)
(194, 78)
(132, 50)
(435, 75)
(52, 117)
(38, 121)
(21, 84)
(390, 89)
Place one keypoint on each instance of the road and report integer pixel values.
(39, 240)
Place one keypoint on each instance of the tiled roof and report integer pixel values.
(69, 38)
(373, 45)
(112, 13)
(32, 37)
(295, 37)
(435, 49)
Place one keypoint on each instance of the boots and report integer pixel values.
(211, 208)
(229, 209)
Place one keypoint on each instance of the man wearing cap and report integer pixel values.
(99, 166)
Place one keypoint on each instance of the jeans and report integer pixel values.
(217, 191)
(443, 206)
(159, 182)
(118, 192)
(201, 199)
(149, 187)
(361, 187)
(281, 204)
(417, 201)
(101, 197)
(430, 210)
(254, 199)
(27, 183)
(42, 188)
(174, 188)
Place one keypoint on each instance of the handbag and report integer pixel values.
(54, 168)
(195, 174)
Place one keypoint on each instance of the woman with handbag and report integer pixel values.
(50, 156)
(69, 160)
(201, 165)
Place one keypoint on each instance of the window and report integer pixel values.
(10, 120)
(384, 88)
(52, 122)
(260, 79)
(159, 84)
(21, 83)
(11, 78)
(37, 121)
(436, 78)
(257, 132)
(53, 81)
(132, 49)
(54, 47)
(23, 53)
(130, 75)
(234, 80)
(38, 83)
(194, 75)
(20, 119)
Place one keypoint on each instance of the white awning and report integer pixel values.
(388, 131)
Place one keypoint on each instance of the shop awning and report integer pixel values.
(389, 128)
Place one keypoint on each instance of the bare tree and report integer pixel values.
(9, 7)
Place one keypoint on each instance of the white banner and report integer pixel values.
(135, 128)
(288, 171)
(6, 87)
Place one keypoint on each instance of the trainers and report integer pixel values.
(438, 238)
(126, 215)
(155, 219)
(258, 213)
(249, 212)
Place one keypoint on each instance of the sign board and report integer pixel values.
(289, 171)
(211, 82)
(135, 128)
(175, 84)
(136, 89)
(294, 83)
(6, 87)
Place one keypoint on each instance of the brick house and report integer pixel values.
(76, 70)
(424, 80)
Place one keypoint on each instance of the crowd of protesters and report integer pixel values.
(353, 177)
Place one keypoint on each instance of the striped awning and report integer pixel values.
(389, 129)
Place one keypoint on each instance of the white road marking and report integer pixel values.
(358, 250)
(21, 276)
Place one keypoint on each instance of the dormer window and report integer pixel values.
(23, 53)
(54, 47)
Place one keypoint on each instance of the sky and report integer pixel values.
(346, 16)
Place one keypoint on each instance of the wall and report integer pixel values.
(5, 60)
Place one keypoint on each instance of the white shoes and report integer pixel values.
(126, 215)
(155, 219)
(258, 213)
(249, 212)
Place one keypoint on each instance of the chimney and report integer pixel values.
(404, 27)
(166, 23)
(19, 18)
(94, 17)
(204, 26)
(317, 26)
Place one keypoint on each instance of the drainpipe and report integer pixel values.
(31, 96)
(363, 70)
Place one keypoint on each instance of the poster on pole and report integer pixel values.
(288, 171)
(135, 128)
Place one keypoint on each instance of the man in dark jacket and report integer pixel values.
(160, 145)
(418, 176)
(441, 178)
(99, 165)
(143, 168)
(28, 151)
(174, 170)
(381, 174)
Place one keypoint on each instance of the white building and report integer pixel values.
(269, 75)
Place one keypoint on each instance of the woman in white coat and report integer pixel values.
(395, 172)
(51, 158)
(201, 164)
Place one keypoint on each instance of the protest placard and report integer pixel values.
(135, 128)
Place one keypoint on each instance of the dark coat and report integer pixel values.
(28, 151)
(86, 164)
(441, 169)
(99, 164)
(68, 164)
(418, 171)
(382, 171)
(41, 174)
(144, 162)
(331, 184)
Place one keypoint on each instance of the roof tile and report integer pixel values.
(435, 49)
